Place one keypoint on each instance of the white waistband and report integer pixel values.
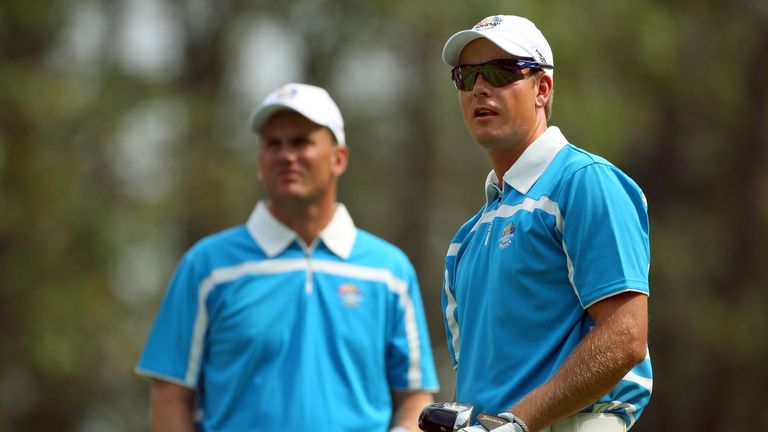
(589, 422)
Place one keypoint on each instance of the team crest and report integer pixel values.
(350, 295)
(286, 92)
(506, 236)
(487, 23)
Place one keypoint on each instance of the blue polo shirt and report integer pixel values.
(276, 335)
(566, 230)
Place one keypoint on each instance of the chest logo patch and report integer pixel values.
(350, 295)
(506, 236)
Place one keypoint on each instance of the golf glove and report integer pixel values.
(509, 427)
(514, 421)
(514, 425)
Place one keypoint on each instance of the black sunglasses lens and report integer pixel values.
(498, 75)
(469, 76)
(464, 77)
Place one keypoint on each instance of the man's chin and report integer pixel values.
(485, 136)
(291, 199)
(488, 141)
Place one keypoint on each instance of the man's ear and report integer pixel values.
(340, 160)
(544, 91)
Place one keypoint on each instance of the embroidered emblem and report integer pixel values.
(286, 92)
(506, 236)
(350, 295)
(487, 23)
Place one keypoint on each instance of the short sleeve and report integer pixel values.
(169, 345)
(410, 365)
(606, 233)
(450, 313)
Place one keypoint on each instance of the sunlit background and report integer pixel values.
(124, 139)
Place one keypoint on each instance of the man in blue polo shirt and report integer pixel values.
(296, 320)
(545, 289)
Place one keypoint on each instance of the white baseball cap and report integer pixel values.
(310, 101)
(515, 35)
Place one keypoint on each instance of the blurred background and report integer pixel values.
(124, 139)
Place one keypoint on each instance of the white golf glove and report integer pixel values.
(514, 425)
(509, 427)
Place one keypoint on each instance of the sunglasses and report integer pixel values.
(498, 72)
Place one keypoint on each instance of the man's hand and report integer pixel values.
(518, 425)
(406, 407)
(504, 422)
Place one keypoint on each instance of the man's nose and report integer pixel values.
(482, 86)
(285, 151)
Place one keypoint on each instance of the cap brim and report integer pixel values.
(263, 113)
(456, 43)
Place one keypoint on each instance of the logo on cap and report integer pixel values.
(286, 92)
(487, 23)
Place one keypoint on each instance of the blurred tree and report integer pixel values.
(123, 140)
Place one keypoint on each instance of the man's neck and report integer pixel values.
(308, 221)
(503, 157)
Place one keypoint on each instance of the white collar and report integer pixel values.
(530, 165)
(274, 237)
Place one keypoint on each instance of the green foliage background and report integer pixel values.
(94, 214)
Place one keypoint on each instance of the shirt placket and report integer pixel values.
(493, 207)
